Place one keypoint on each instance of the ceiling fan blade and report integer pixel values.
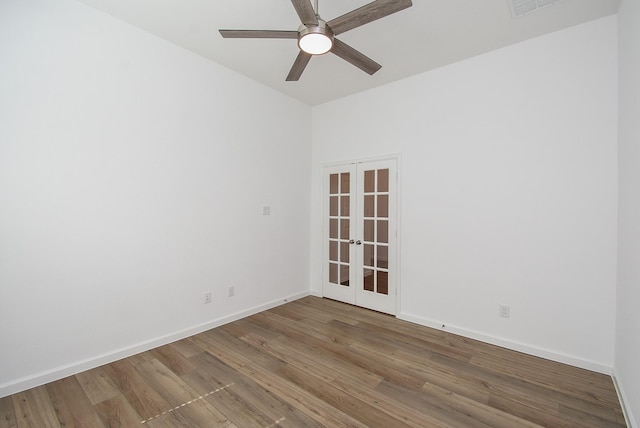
(367, 13)
(355, 57)
(305, 11)
(258, 34)
(298, 66)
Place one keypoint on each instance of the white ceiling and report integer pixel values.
(430, 34)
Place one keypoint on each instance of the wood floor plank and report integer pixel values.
(314, 351)
(140, 358)
(185, 401)
(315, 362)
(234, 352)
(334, 346)
(440, 375)
(525, 410)
(117, 412)
(71, 404)
(7, 413)
(439, 411)
(313, 406)
(33, 408)
(319, 410)
(481, 412)
(168, 384)
(407, 340)
(233, 400)
(497, 384)
(186, 348)
(588, 418)
(314, 359)
(320, 370)
(546, 397)
(244, 391)
(528, 367)
(202, 413)
(250, 325)
(349, 404)
(174, 360)
(392, 406)
(233, 405)
(317, 356)
(146, 401)
(97, 384)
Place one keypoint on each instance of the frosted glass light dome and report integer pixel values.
(315, 39)
(315, 43)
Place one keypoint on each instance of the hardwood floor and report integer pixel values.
(313, 363)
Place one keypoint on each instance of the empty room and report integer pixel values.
(390, 213)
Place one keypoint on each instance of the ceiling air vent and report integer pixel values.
(522, 7)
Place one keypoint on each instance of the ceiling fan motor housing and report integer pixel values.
(315, 39)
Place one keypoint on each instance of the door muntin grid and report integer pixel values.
(339, 228)
(375, 231)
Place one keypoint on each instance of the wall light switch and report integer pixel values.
(266, 210)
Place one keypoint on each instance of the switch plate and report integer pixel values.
(231, 291)
(207, 297)
(266, 210)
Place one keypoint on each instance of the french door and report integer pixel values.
(359, 234)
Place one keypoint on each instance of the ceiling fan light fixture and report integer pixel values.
(316, 36)
(315, 39)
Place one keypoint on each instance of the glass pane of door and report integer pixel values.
(375, 269)
(339, 228)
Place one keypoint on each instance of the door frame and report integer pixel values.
(396, 275)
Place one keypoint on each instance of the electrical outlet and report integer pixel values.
(504, 311)
(207, 297)
(231, 291)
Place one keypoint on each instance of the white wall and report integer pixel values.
(132, 175)
(628, 320)
(508, 180)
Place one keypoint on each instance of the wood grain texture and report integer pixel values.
(298, 66)
(258, 34)
(367, 13)
(355, 57)
(71, 404)
(305, 11)
(320, 363)
(7, 413)
(34, 408)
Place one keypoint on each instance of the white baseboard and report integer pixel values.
(509, 344)
(628, 416)
(42, 378)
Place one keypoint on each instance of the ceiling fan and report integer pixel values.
(316, 36)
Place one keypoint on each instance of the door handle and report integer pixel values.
(358, 242)
(351, 241)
